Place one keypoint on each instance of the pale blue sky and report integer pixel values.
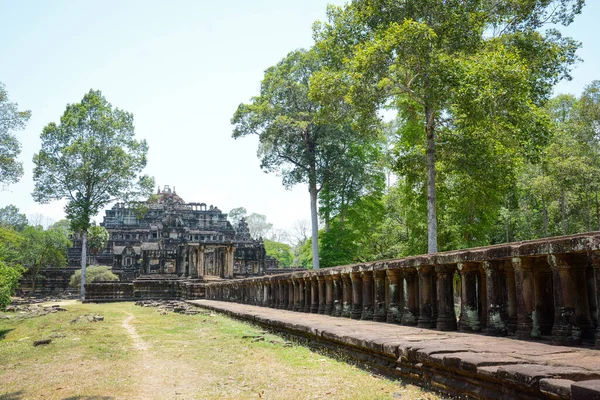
(181, 68)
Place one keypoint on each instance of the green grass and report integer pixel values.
(188, 357)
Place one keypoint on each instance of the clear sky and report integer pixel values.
(181, 67)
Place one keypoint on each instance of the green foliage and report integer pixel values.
(9, 279)
(559, 194)
(303, 254)
(10, 269)
(11, 217)
(93, 274)
(467, 79)
(280, 251)
(11, 119)
(43, 248)
(90, 158)
(97, 238)
(64, 226)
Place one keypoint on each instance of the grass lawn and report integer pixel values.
(137, 353)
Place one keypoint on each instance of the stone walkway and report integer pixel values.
(463, 364)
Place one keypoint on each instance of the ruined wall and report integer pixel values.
(144, 289)
(49, 281)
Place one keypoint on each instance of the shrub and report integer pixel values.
(9, 279)
(93, 274)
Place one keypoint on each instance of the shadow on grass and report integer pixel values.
(14, 395)
(3, 333)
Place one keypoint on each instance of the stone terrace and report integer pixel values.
(546, 290)
(455, 363)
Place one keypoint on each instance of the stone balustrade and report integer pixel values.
(537, 289)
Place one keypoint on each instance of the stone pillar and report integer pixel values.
(337, 295)
(411, 305)
(285, 294)
(396, 295)
(367, 295)
(307, 294)
(314, 295)
(265, 297)
(591, 289)
(425, 297)
(356, 295)
(321, 285)
(296, 295)
(595, 261)
(290, 294)
(469, 313)
(496, 312)
(482, 296)
(300, 294)
(259, 293)
(544, 296)
(200, 264)
(379, 307)
(347, 296)
(230, 260)
(446, 317)
(270, 294)
(191, 271)
(511, 293)
(525, 299)
(572, 320)
(328, 294)
(225, 259)
(280, 294)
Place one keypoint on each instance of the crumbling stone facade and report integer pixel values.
(167, 237)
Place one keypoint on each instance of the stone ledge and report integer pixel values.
(454, 363)
(588, 390)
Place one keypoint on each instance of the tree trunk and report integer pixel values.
(83, 262)
(314, 221)
(432, 245)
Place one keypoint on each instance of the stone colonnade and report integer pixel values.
(200, 264)
(532, 290)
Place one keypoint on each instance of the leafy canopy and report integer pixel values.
(91, 158)
(11, 217)
(11, 119)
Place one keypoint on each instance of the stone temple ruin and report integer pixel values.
(166, 243)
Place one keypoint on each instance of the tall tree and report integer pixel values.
(476, 68)
(285, 121)
(11, 119)
(11, 217)
(91, 158)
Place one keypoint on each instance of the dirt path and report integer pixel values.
(148, 375)
(138, 342)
